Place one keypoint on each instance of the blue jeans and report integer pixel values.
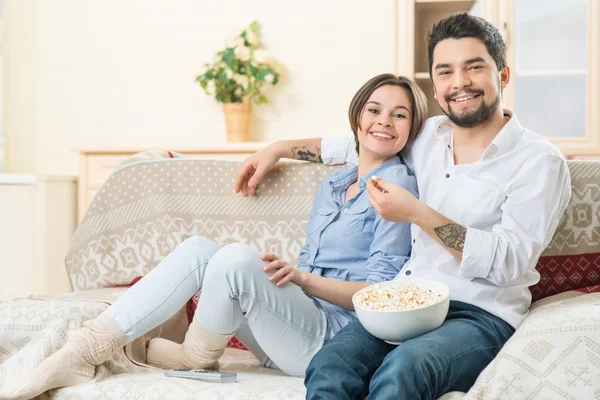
(354, 364)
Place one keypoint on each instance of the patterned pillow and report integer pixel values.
(554, 354)
(559, 274)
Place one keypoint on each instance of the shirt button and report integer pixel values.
(346, 210)
(447, 175)
(414, 240)
(408, 272)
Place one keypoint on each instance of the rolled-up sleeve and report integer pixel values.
(339, 149)
(391, 244)
(530, 214)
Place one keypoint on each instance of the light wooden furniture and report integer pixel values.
(38, 215)
(553, 51)
(96, 165)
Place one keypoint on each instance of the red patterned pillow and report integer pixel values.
(563, 273)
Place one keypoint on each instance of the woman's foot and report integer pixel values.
(74, 364)
(165, 354)
(201, 349)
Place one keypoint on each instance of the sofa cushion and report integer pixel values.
(154, 385)
(554, 354)
(33, 329)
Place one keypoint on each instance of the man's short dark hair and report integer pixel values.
(459, 26)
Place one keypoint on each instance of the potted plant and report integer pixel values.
(236, 78)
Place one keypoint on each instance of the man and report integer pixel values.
(491, 196)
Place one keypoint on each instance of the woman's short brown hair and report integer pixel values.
(416, 95)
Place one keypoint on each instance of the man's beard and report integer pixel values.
(471, 119)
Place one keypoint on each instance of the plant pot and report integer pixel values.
(237, 121)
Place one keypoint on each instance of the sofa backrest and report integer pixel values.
(145, 209)
(572, 259)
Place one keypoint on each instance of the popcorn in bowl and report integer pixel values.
(398, 297)
(396, 311)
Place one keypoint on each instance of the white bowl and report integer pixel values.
(397, 326)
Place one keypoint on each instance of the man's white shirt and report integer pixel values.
(510, 201)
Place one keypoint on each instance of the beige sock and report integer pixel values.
(201, 349)
(75, 363)
(165, 354)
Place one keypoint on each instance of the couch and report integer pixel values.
(150, 205)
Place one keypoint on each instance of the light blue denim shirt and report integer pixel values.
(351, 242)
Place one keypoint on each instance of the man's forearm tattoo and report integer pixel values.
(452, 235)
(308, 153)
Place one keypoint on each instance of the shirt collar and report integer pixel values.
(505, 140)
(509, 135)
(343, 179)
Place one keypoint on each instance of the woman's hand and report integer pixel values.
(392, 202)
(284, 272)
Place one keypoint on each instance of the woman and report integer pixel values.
(281, 313)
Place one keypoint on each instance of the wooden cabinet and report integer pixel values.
(37, 221)
(553, 50)
(415, 19)
(96, 165)
(554, 53)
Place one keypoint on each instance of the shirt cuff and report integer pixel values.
(478, 254)
(335, 150)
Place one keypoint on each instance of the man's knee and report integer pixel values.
(404, 372)
(426, 372)
(352, 347)
(403, 361)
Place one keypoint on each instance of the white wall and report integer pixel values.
(120, 73)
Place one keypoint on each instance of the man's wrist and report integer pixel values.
(419, 213)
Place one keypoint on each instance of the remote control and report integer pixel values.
(202, 375)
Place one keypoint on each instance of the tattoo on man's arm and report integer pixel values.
(452, 235)
(308, 153)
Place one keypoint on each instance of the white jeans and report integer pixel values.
(282, 326)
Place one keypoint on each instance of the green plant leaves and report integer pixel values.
(233, 80)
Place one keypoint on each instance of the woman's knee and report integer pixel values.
(197, 249)
(237, 259)
(235, 255)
